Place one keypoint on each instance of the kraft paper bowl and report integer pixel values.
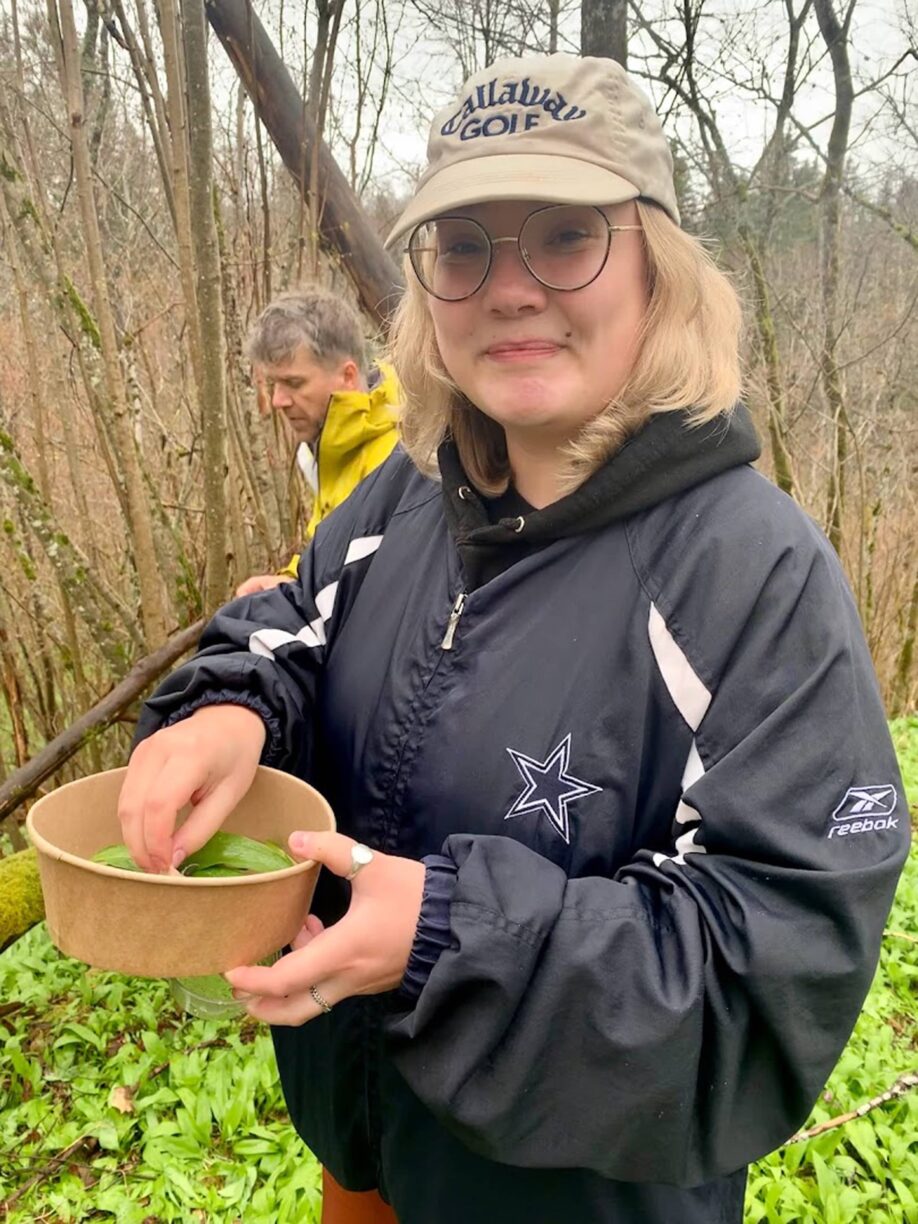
(170, 926)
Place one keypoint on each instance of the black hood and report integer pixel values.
(665, 457)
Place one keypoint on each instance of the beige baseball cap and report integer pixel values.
(544, 127)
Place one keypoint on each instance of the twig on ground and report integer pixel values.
(903, 935)
(905, 1083)
(89, 1142)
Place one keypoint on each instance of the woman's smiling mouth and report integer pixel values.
(522, 350)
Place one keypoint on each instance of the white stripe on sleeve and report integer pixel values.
(266, 641)
(690, 696)
(362, 547)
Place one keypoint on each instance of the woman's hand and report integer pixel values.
(207, 760)
(365, 953)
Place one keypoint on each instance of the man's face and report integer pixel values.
(301, 387)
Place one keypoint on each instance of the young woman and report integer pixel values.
(618, 806)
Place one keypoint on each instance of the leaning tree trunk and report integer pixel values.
(344, 225)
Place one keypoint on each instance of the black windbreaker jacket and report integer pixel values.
(645, 759)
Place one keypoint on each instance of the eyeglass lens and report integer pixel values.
(564, 247)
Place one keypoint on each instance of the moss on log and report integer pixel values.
(21, 903)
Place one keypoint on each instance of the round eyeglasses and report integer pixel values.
(564, 246)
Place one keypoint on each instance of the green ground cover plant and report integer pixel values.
(116, 1106)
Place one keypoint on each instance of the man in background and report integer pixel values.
(309, 357)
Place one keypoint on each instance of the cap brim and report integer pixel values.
(513, 176)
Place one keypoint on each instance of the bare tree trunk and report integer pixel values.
(329, 24)
(152, 607)
(212, 392)
(45, 485)
(46, 281)
(771, 360)
(151, 99)
(95, 66)
(904, 679)
(679, 76)
(604, 29)
(835, 36)
(70, 566)
(28, 217)
(181, 184)
(250, 457)
(9, 682)
(554, 7)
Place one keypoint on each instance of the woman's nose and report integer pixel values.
(510, 286)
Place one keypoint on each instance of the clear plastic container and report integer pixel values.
(210, 997)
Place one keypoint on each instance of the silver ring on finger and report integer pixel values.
(360, 856)
(319, 999)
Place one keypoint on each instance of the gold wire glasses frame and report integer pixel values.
(416, 253)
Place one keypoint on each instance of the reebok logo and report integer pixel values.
(865, 809)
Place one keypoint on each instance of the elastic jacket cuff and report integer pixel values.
(433, 933)
(273, 740)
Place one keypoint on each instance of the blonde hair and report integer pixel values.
(688, 359)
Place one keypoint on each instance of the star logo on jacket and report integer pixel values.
(550, 787)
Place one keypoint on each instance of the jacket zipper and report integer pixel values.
(449, 636)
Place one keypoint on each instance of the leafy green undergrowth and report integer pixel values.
(865, 1170)
(905, 737)
(115, 1106)
(161, 1117)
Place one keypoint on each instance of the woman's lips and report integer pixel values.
(524, 350)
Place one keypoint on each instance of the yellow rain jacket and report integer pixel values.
(358, 434)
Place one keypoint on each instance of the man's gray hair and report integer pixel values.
(328, 327)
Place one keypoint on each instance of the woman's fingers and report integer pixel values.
(296, 1009)
(207, 760)
(150, 769)
(168, 794)
(312, 927)
(209, 812)
(314, 961)
(332, 850)
(364, 953)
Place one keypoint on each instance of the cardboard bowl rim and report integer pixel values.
(45, 847)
